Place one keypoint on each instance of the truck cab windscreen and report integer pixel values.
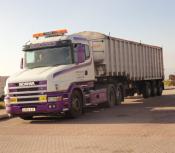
(48, 57)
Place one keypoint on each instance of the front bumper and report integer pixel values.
(47, 108)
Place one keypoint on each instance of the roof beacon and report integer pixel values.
(59, 32)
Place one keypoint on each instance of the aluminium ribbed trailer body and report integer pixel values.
(119, 57)
(137, 66)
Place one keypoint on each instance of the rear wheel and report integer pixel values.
(111, 95)
(119, 95)
(147, 90)
(76, 105)
(154, 90)
(159, 89)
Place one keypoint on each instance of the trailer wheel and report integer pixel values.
(159, 89)
(76, 108)
(147, 90)
(119, 95)
(26, 117)
(111, 96)
(154, 90)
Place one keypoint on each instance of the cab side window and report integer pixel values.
(79, 50)
(85, 48)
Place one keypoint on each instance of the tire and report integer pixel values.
(76, 105)
(26, 117)
(147, 90)
(154, 90)
(111, 96)
(119, 95)
(159, 89)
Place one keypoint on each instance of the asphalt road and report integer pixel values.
(136, 126)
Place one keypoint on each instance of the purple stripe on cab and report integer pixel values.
(72, 68)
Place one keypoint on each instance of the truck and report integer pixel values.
(65, 73)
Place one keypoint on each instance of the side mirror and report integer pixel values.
(80, 54)
(22, 63)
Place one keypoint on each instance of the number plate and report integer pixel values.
(28, 109)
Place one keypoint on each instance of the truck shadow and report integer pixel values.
(160, 110)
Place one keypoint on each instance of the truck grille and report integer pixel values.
(27, 92)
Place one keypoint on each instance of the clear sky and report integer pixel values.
(150, 21)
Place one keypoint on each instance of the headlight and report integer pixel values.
(9, 100)
(54, 99)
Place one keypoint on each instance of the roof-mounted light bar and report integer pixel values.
(59, 32)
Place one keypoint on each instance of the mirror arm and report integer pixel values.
(22, 63)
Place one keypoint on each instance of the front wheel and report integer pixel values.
(76, 105)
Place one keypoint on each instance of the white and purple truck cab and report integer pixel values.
(57, 76)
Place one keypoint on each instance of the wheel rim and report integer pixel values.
(76, 104)
(155, 90)
(112, 97)
(149, 91)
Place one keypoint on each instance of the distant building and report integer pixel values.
(172, 77)
(2, 84)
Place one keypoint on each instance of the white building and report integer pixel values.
(2, 84)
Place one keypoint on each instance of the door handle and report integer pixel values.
(86, 72)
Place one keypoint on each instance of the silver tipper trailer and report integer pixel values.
(138, 64)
